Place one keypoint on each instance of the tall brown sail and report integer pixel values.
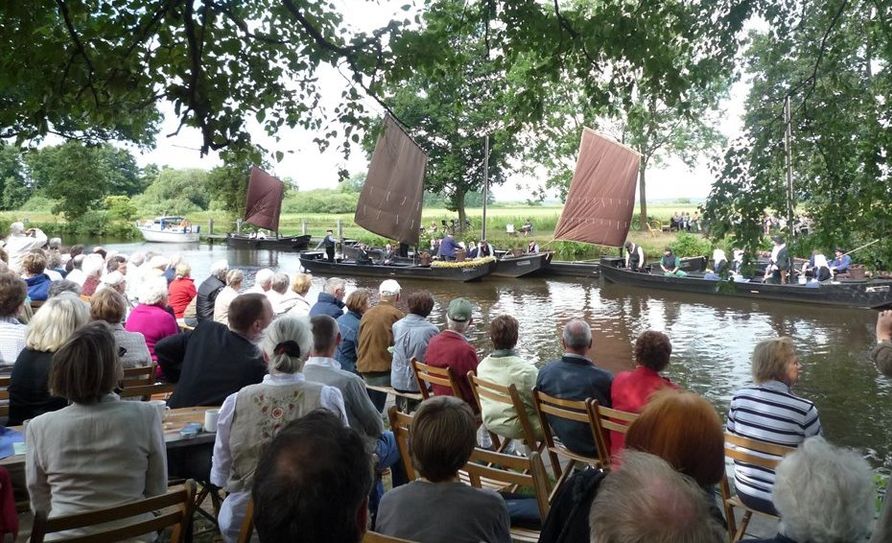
(263, 202)
(390, 202)
(599, 205)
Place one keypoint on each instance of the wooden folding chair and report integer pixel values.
(607, 419)
(431, 375)
(569, 410)
(139, 376)
(4, 396)
(399, 424)
(247, 528)
(171, 509)
(748, 451)
(149, 392)
(505, 395)
(512, 472)
(375, 537)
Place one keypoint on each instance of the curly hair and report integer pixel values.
(652, 350)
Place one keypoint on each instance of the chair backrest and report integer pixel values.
(512, 471)
(399, 424)
(570, 410)
(171, 509)
(375, 537)
(247, 528)
(509, 228)
(607, 419)
(431, 375)
(139, 376)
(753, 451)
(145, 392)
(4, 396)
(506, 395)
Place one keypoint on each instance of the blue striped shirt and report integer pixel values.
(769, 412)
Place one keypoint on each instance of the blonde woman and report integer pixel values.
(251, 418)
(300, 286)
(50, 327)
(234, 280)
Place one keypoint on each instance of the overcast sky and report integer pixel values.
(310, 168)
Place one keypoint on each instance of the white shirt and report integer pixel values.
(77, 275)
(221, 304)
(323, 361)
(17, 245)
(232, 511)
(301, 307)
(12, 340)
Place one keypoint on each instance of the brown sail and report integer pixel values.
(263, 200)
(390, 202)
(599, 205)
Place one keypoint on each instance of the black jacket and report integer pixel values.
(29, 393)
(207, 295)
(208, 364)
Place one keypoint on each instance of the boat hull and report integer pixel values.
(291, 243)
(519, 266)
(321, 266)
(168, 236)
(563, 268)
(868, 294)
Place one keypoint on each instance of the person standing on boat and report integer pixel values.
(329, 243)
(669, 264)
(780, 264)
(448, 247)
(634, 256)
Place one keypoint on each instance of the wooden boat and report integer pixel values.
(875, 294)
(290, 243)
(519, 266)
(588, 268)
(169, 229)
(314, 262)
(263, 205)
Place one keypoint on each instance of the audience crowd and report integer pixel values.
(302, 385)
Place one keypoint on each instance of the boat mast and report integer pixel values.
(485, 182)
(788, 134)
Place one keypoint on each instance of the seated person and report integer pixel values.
(98, 451)
(669, 263)
(388, 255)
(821, 270)
(505, 367)
(841, 263)
(33, 272)
(213, 361)
(251, 417)
(312, 483)
(362, 255)
(438, 507)
(527, 227)
(823, 493)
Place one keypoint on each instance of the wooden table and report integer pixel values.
(174, 422)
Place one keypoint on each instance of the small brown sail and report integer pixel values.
(390, 202)
(599, 205)
(263, 201)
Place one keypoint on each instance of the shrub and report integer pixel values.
(686, 244)
(38, 202)
(320, 201)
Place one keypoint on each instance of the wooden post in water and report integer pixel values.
(485, 182)
(788, 136)
(341, 234)
(210, 226)
(303, 227)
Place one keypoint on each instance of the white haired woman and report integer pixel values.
(50, 327)
(823, 493)
(151, 318)
(98, 451)
(768, 411)
(234, 280)
(92, 267)
(250, 418)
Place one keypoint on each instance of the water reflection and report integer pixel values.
(712, 337)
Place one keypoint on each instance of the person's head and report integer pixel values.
(824, 493)
(4, 256)
(108, 305)
(329, 231)
(420, 303)
(264, 278)
(286, 343)
(442, 437)
(280, 282)
(54, 243)
(336, 286)
(776, 360)
(301, 283)
(136, 259)
(838, 252)
(652, 350)
(646, 501)
(821, 261)
(667, 251)
(13, 292)
(159, 262)
(219, 269)
(358, 301)
(778, 240)
(115, 263)
(55, 321)
(114, 280)
(92, 264)
(628, 245)
(153, 291)
(459, 315)
(389, 290)
(326, 335)
(87, 366)
(183, 269)
(683, 429)
(503, 332)
(577, 337)
(77, 262)
(58, 287)
(101, 252)
(312, 483)
(250, 314)
(33, 263)
(17, 228)
(234, 279)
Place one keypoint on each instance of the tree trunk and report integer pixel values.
(459, 200)
(641, 188)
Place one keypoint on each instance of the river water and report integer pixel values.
(712, 337)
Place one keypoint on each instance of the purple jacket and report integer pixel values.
(154, 322)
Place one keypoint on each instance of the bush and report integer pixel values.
(38, 202)
(120, 208)
(686, 244)
(320, 201)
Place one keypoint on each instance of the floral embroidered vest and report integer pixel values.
(260, 412)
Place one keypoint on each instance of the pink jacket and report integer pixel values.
(154, 322)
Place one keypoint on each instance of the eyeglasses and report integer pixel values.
(121, 352)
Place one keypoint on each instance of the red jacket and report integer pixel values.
(179, 294)
(631, 390)
(451, 349)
